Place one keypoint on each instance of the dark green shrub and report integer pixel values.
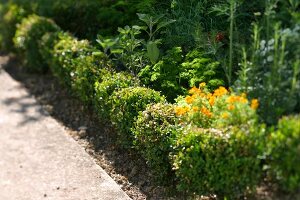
(211, 161)
(164, 76)
(66, 51)
(27, 38)
(284, 153)
(46, 46)
(126, 104)
(109, 83)
(155, 134)
(10, 16)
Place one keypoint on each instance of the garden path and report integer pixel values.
(38, 160)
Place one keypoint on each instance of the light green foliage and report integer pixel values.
(28, 37)
(221, 162)
(10, 15)
(283, 147)
(88, 70)
(110, 82)
(126, 105)
(66, 51)
(155, 132)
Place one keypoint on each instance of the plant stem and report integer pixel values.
(232, 10)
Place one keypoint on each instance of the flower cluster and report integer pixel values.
(218, 108)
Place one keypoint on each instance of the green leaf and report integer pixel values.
(152, 52)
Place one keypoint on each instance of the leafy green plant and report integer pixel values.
(27, 38)
(154, 25)
(155, 131)
(126, 105)
(284, 154)
(110, 82)
(219, 162)
(174, 73)
(271, 71)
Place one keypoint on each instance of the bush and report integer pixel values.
(66, 51)
(221, 162)
(155, 133)
(126, 105)
(27, 38)
(88, 70)
(46, 46)
(10, 16)
(284, 153)
(109, 83)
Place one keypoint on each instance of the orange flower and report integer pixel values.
(189, 99)
(194, 90)
(181, 110)
(212, 100)
(231, 107)
(254, 104)
(220, 91)
(206, 112)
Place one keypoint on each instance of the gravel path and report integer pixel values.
(38, 160)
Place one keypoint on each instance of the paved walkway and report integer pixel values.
(38, 160)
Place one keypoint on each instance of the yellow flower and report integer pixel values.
(189, 99)
(244, 95)
(225, 115)
(254, 104)
(202, 85)
(195, 108)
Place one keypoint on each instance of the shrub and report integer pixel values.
(155, 132)
(284, 153)
(66, 51)
(27, 38)
(88, 70)
(46, 46)
(10, 15)
(109, 83)
(126, 105)
(220, 162)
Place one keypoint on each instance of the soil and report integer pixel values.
(97, 136)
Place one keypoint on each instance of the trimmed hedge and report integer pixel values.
(10, 15)
(28, 37)
(283, 147)
(126, 105)
(155, 132)
(111, 82)
(66, 51)
(221, 162)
